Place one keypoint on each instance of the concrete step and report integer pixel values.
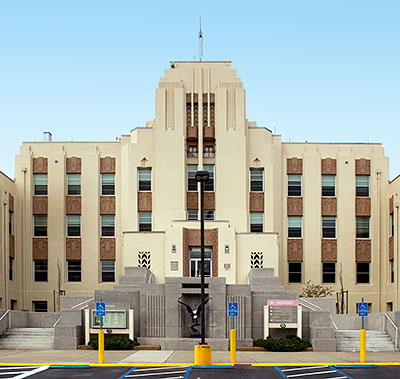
(349, 340)
(28, 339)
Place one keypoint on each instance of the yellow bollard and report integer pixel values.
(233, 346)
(363, 345)
(202, 355)
(101, 346)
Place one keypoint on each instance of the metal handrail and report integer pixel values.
(58, 320)
(5, 314)
(336, 329)
(395, 328)
(83, 302)
(309, 304)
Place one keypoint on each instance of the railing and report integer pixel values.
(5, 314)
(83, 302)
(58, 320)
(336, 330)
(396, 329)
(309, 305)
(150, 280)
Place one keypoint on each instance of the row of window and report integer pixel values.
(191, 177)
(209, 152)
(74, 271)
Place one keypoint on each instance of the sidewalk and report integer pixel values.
(187, 357)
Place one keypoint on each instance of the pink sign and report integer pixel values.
(283, 303)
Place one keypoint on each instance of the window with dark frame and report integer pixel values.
(209, 184)
(144, 221)
(10, 268)
(144, 177)
(195, 261)
(73, 184)
(209, 151)
(40, 270)
(256, 222)
(192, 151)
(73, 225)
(107, 184)
(192, 214)
(362, 185)
(10, 222)
(391, 224)
(209, 214)
(392, 271)
(108, 271)
(295, 272)
(39, 225)
(107, 225)
(295, 226)
(328, 185)
(362, 226)
(328, 227)
(74, 270)
(191, 177)
(328, 272)
(39, 306)
(40, 184)
(256, 180)
(363, 269)
(294, 185)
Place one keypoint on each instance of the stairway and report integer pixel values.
(28, 339)
(349, 340)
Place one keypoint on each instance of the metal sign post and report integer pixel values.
(363, 311)
(101, 312)
(233, 311)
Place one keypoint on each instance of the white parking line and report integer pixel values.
(31, 372)
(161, 368)
(311, 373)
(155, 373)
(304, 368)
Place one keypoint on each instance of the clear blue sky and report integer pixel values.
(316, 70)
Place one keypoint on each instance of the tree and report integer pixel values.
(315, 290)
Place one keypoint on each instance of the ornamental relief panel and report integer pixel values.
(256, 201)
(363, 206)
(73, 249)
(40, 248)
(192, 132)
(209, 200)
(295, 166)
(11, 245)
(73, 205)
(295, 250)
(295, 206)
(192, 201)
(40, 165)
(73, 165)
(328, 206)
(328, 166)
(107, 205)
(363, 166)
(363, 250)
(328, 250)
(391, 209)
(107, 165)
(107, 249)
(10, 202)
(391, 248)
(39, 205)
(145, 201)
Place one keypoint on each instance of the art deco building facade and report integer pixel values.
(77, 213)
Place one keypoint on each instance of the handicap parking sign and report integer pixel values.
(100, 309)
(363, 309)
(233, 309)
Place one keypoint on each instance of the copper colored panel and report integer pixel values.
(107, 249)
(144, 201)
(256, 201)
(391, 248)
(294, 166)
(391, 205)
(205, 98)
(295, 206)
(212, 97)
(192, 200)
(363, 166)
(195, 97)
(40, 248)
(73, 165)
(363, 250)
(40, 165)
(73, 249)
(328, 206)
(192, 132)
(11, 245)
(10, 202)
(107, 205)
(295, 250)
(107, 165)
(188, 97)
(208, 132)
(39, 206)
(363, 206)
(73, 205)
(209, 200)
(191, 237)
(328, 250)
(328, 166)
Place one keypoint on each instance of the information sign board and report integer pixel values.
(114, 319)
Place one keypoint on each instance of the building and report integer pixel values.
(77, 213)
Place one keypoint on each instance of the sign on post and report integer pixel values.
(100, 309)
(363, 309)
(233, 309)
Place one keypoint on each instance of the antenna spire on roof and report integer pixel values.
(200, 43)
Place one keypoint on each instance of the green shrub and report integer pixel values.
(115, 343)
(289, 343)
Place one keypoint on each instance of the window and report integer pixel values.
(40, 184)
(144, 221)
(108, 271)
(256, 222)
(391, 271)
(362, 227)
(362, 185)
(389, 307)
(294, 226)
(295, 272)
(107, 225)
(40, 225)
(294, 185)
(195, 261)
(10, 268)
(391, 223)
(108, 184)
(328, 272)
(192, 151)
(209, 151)
(209, 184)
(144, 176)
(40, 270)
(363, 272)
(191, 177)
(73, 184)
(13, 304)
(192, 215)
(328, 185)
(73, 225)
(39, 306)
(256, 180)
(328, 227)
(209, 214)
(74, 271)
(10, 222)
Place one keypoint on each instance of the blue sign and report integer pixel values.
(100, 309)
(363, 309)
(233, 309)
